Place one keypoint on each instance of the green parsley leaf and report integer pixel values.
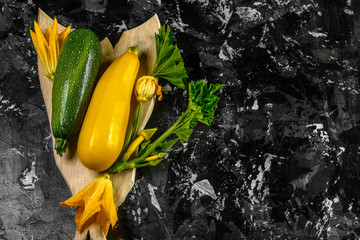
(169, 64)
(201, 108)
(166, 145)
(202, 96)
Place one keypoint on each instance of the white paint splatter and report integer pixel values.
(255, 105)
(320, 135)
(290, 40)
(302, 9)
(121, 27)
(262, 43)
(153, 199)
(179, 25)
(223, 13)
(248, 14)
(166, 89)
(202, 2)
(219, 207)
(282, 3)
(28, 177)
(302, 182)
(318, 126)
(258, 182)
(47, 139)
(318, 130)
(205, 188)
(17, 152)
(269, 105)
(317, 34)
(11, 106)
(252, 93)
(228, 53)
(328, 209)
(348, 11)
(342, 150)
(193, 177)
(324, 136)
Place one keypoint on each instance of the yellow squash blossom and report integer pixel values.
(146, 87)
(48, 46)
(94, 203)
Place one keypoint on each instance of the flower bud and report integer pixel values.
(146, 87)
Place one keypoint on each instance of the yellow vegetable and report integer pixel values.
(104, 128)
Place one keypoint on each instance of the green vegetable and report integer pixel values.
(74, 82)
(201, 108)
(169, 63)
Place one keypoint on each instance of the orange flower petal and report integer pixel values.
(48, 46)
(37, 48)
(44, 48)
(90, 210)
(43, 44)
(95, 203)
(158, 92)
(55, 23)
(108, 215)
(63, 35)
(78, 216)
(47, 33)
(78, 199)
(53, 47)
(102, 219)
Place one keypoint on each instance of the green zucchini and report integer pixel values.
(74, 82)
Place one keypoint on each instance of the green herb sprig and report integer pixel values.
(201, 108)
(169, 64)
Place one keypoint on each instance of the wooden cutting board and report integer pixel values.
(75, 174)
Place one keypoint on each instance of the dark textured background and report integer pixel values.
(281, 160)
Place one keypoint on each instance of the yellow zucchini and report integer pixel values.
(104, 128)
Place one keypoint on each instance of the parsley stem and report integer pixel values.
(139, 161)
(136, 121)
(131, 133)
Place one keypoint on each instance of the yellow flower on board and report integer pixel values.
(48, 46)
(94, 203)
(146, 87)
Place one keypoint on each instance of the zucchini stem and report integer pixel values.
(60, 145)
(133, 49)
(133, 129)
